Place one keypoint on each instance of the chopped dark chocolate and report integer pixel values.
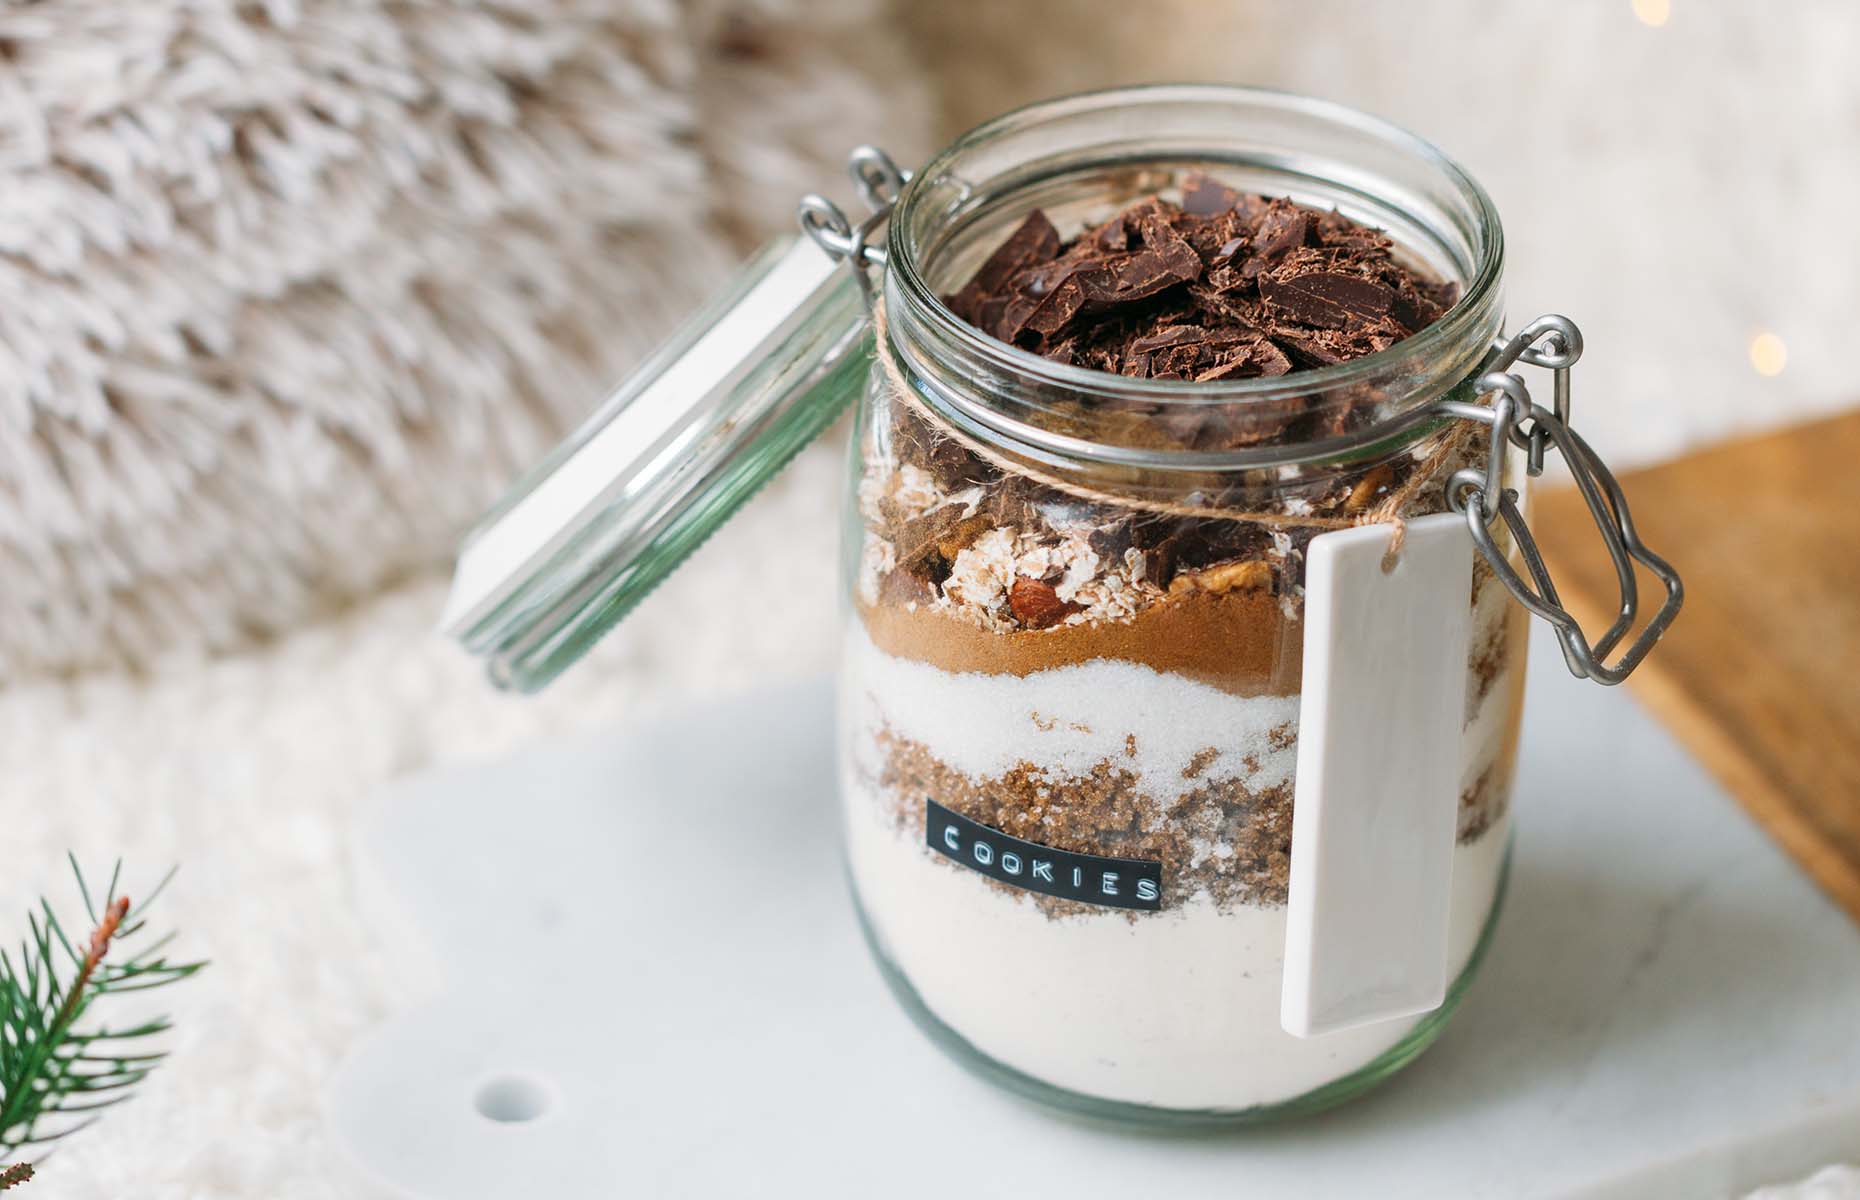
(1282, 228)
(1221, 286)
(1205, 196)
(1327, 299)
(1035, 242)
(931, 542)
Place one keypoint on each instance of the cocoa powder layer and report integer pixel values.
(1225, 837)
(1239, 641)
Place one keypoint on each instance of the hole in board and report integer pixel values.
(511, 1099)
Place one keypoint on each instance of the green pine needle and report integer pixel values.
(57, 1069)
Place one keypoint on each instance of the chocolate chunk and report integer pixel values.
(1064, 352)
(1188, 335)
(1016, 502)
(1280, 229)
(1316, 348)
(901, 588)
(1216, 239)
(1113, 236)
(922, 444)
(1172, 545)
(1335, 229)
(1326, 299)
(1205, 196)
(1270, 360)
(936, 538)
(1175, 362)
(1109, 540)
(1418, 303)
(1164, 261)
(1241, 311)
(1231, 368)
(1258, 358)
(1036, 241)
(1048, 315)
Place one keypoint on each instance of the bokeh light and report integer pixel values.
(1768, 354)
(1653, 13)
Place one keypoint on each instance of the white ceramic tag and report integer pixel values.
(1376, 800)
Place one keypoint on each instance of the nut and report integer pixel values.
(1036, 605)
(1368, 487)
(1225, 577)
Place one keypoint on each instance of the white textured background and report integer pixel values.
(1675, 189)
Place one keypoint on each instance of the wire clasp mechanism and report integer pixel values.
(880, 180)
(1505, 405)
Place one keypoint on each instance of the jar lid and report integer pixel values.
(670, 456)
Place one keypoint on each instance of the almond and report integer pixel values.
(1036, 605)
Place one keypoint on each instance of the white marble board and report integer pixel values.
(668, 980)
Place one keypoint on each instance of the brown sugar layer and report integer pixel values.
(1239, 641)
(1222, 837)
(1225, 837)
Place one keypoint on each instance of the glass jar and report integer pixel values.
(1149, 711)
(1072, 674)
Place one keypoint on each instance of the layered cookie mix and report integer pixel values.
(1119, 677)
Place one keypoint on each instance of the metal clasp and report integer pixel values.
(880, 180)
(1555, 343)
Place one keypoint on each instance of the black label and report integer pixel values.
(1112, 882)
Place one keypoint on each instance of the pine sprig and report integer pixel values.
(56, 1072)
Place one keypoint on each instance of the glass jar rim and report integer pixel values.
(906, 269)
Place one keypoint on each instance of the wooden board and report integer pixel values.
(1760, 676)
